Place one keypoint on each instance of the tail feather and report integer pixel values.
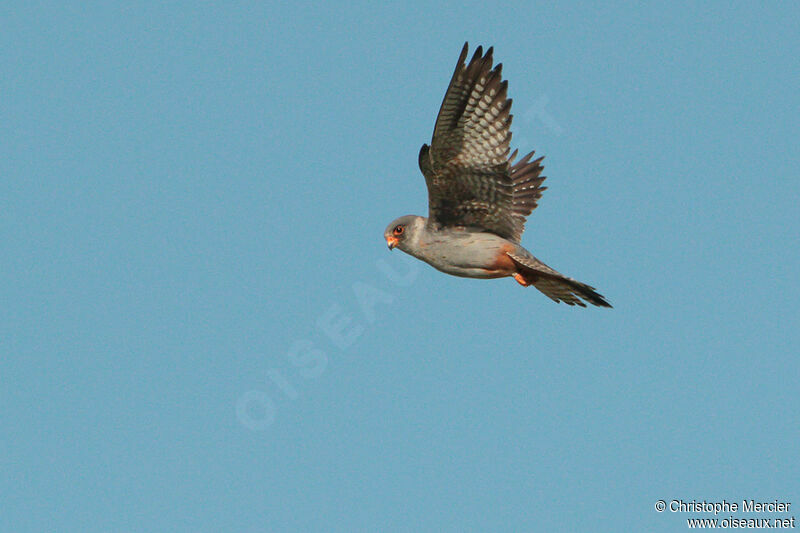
(555, 285)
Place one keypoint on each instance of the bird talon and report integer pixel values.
(521, 280)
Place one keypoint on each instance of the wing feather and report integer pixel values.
(470, 177)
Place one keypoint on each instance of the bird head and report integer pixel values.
(403, 231)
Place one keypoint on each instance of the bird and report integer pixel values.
(478, 196)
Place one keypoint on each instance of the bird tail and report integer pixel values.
(555, 285)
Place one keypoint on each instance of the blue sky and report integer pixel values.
(202, 329)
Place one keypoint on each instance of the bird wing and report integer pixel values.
(470, 177)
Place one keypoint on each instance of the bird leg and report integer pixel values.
(521, 279)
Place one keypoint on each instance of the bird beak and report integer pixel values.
(391, 242)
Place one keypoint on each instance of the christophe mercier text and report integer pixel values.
(747, 506)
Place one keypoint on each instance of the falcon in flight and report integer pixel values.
(478, 197)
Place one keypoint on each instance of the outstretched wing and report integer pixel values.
(470, 177)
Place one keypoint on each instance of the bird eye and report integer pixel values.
(398, 230)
